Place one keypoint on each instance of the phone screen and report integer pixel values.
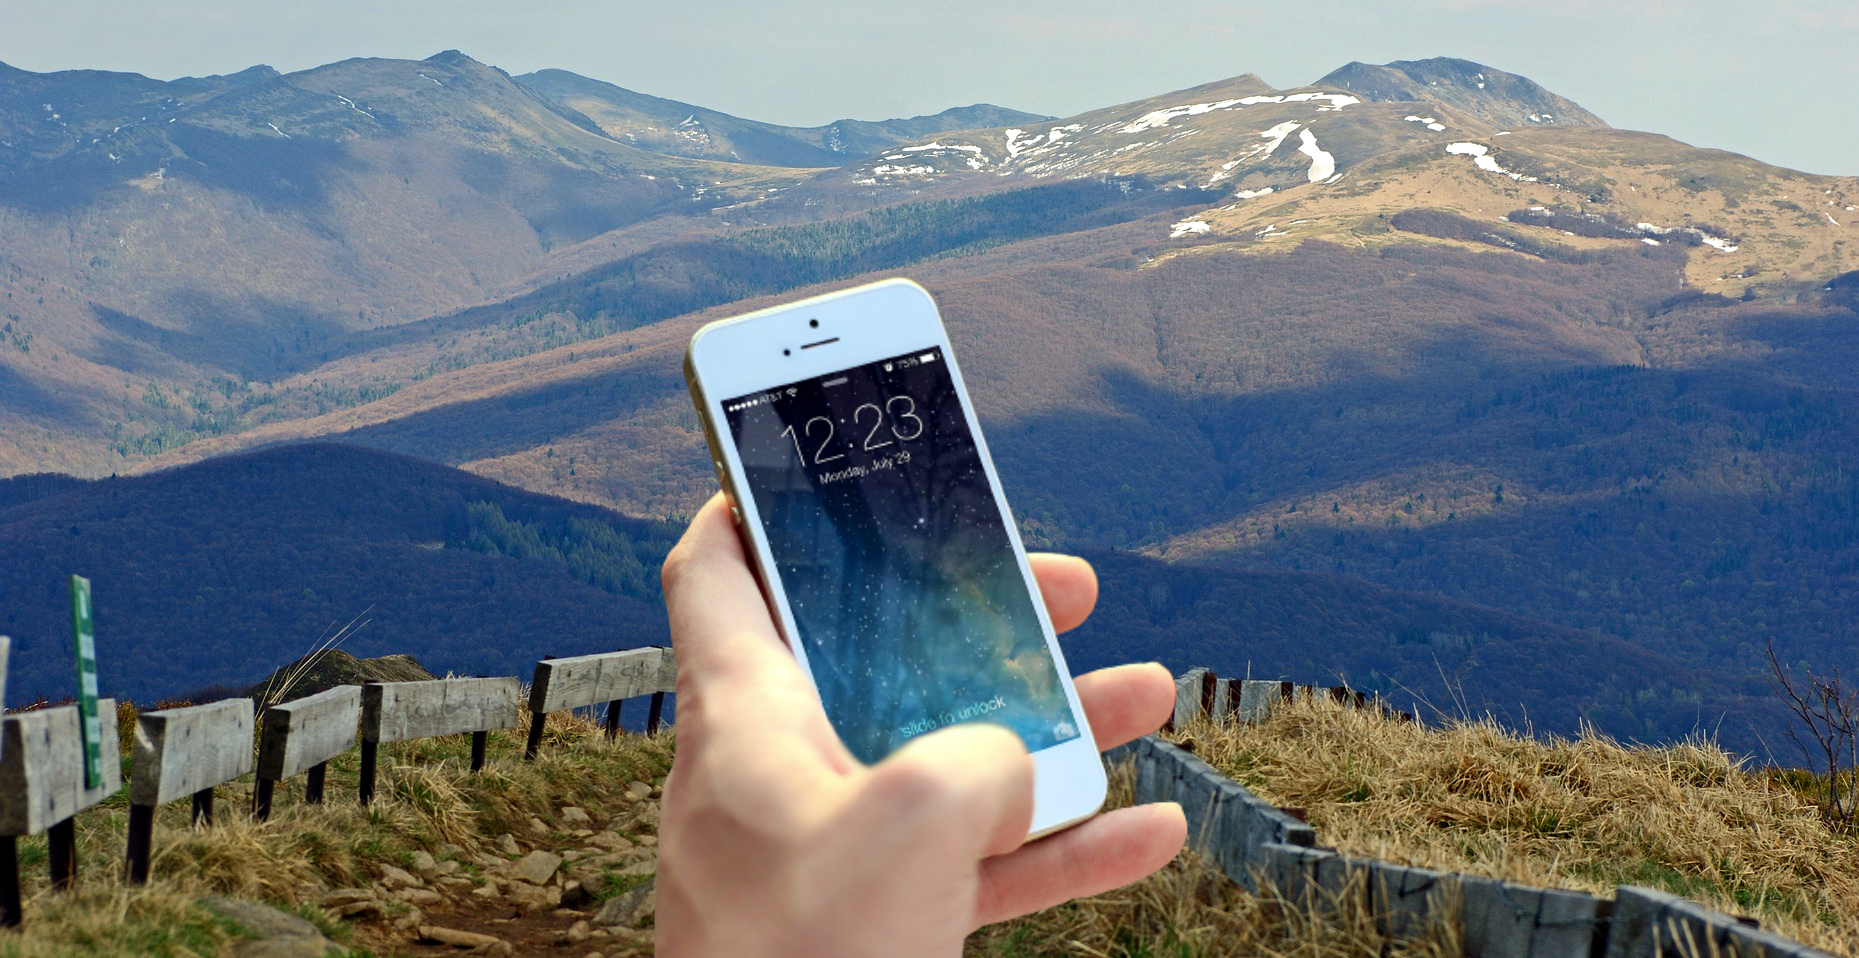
(894, 557)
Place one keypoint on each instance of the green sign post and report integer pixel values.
(90, 724)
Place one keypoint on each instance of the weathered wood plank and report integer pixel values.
(585, 680)
(399, 711)
(667, 671)
(182, 751)
(308, 731)
(42, 769)
(1188, 697)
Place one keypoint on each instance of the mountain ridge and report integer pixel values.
(688, 130)
(1509, 100)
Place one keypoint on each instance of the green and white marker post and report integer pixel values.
(90, 725)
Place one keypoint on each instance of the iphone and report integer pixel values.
(856, 470)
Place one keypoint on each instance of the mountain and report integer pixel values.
(680, 129)
(215, 574)
(1504, 100)
(1411, 349)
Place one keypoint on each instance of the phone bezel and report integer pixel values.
(745, 354)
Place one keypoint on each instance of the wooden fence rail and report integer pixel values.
(183, 752)
(402, 711)
(608, 678)
(1201, 692)
(42, 788)
(190, 751)
(1254, 843)
(300, 737)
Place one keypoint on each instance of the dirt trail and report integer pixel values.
(571, 888)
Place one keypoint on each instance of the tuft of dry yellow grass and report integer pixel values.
(1587, 813)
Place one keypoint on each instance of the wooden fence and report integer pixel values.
(42, 788)
(188, 752)
(607, 679)
(301, 737)
(183, 752)
(1253, 841)
(404, 711)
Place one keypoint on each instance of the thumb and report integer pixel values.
(977, 774)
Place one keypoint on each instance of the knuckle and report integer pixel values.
(912, 783)
(677, 566)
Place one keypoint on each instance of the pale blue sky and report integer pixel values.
(1778, 79)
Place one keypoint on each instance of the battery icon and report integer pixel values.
(927, 358)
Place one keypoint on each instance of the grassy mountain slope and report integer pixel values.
(1579, 812)
(216, 240)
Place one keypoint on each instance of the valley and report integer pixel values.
(1411, 345)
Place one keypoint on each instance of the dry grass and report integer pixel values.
(1471, 797)
(1588, 813)
(1190, 910)
(426, 800)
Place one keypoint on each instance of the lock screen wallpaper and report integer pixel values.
(894, 558)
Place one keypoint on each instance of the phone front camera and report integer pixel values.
(787, 352)
(814, 323)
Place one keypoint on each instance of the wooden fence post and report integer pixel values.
(613, 719)
(370, 755)
(141, 840)
(184, 752)
(42, 788)
(61, 850)
(401, 711)
(10, 915)
(606, 678)
(301, 736)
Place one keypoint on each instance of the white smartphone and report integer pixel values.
(847, 446)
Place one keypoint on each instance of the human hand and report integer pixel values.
(775, 841)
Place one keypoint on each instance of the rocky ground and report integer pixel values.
(573, 886)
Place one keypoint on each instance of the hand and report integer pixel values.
(775, 841)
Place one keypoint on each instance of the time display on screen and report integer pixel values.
(884, 429)
(894, 557)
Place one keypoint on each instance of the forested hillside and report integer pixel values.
(216, 574)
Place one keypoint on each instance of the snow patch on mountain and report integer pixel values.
(1322, 162)
(1188, 228)
(351, 105)
(1482, 158)
(1714, 242)
(1156, 119)
(1274, 138)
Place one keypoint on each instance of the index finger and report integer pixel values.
(1069, 586)
(721, 630)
